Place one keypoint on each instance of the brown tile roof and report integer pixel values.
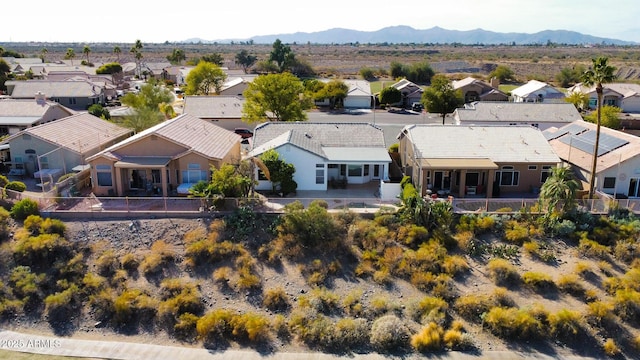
(79, 132)
(27, 107)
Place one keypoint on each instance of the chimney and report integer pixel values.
(495, 82)
(40, 98)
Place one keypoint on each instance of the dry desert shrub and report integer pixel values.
(472, 306)
(129, 262)
(429, 309)
(538, 281)
(599, 312)
(610, 347)
(429, 338)
(503, 272)
(352, 303)
(160, 256)
(566, 324)
(250, 326)
(107, 263)
(276, 299)
(513, 323)
(389, 333)
(351, 333)
(571, 284)
(592, 249)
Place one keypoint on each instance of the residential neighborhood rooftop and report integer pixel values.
(518, 112)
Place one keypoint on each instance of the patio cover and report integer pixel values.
(458, 164)
(46, 173)
(357, 154)
(142, 162)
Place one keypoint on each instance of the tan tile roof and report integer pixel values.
(214, 107)
(26, 107)
(79, 132)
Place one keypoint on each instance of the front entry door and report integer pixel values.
(633, 187)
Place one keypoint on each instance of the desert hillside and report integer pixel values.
(310, 280)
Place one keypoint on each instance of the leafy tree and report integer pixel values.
(280, 172)
(600, 73)
(441, 97)
(205, 78)
(213, 58)
(282, 55)
(146, 105)
(420, 73)
(570, 75)
(266, 67)
(246, 60)
(502, 73)
(4, 70)
(117, 50)
(313, 227)
(398, 70)
(228, 181)
(99, 111)
(43, 54)
(578, 99)
(177, 56)
(335, 90)
(610, 117)
(559, 190)
(110, 68)
(70, 55)
(390, 95)
(86, 50)
(367, 73)
(275, 97)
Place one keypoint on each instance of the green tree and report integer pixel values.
(177, 56)
(205, 78)
(110, 68)
(280, 172)
(245, 60)
(70, 55)
(502, 73)
(579, 99)
(420, 73)
(117, 50)
(559, 190)
(570, 75)
(86, 50)
(441, 97)
(367, 73)
(335, 90)
(600, 73)
(282, 55)
(313, 227)
(609, 117)
(275, 97)
(228, 181)
(398, 70)
(214, 58)
(5, 69)
(146, 105)
(99, 111)
(43, 54)
(390, 95)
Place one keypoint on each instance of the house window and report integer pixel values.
(72, 101)
(44, 162)
(103, 174)
(546, 171)
(155, 176)
(533, 167)
(507, 176)
(319, 173)
(366, 170)
(355, 170)
(609, 183)
(193, 174)
(262, 176)
(610, 102)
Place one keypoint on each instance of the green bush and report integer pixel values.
(23, 208)
(18, 186)
(59, 306)
(42, 250)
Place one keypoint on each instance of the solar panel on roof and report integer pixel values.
(573, 129)
(550, 136)
(585, 141)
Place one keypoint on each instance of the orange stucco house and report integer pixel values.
(166, 159)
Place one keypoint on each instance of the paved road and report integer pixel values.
(49, 345)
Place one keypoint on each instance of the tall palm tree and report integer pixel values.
(117, 51)
(43, 54)
(601, 73)
(86, 50)
(70, 55)
(559, 188)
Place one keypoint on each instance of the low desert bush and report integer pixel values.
(250, 326)
(134, 306)
(129, 262)
(351, 333)
(276, 299)
(26, 284)
(160, 256)
(582, 268)
(23, 208)
(538, 281)
(179, 297)
(389, 333)
(102, 305)
(214, 325)
(571, 284)
(599, 312)
(626, 304)
(352, 303)
(454, 265)
(93, 283)
(247, 280)
(60, 305)
(430, 338)
(512, 323)
(429, 309)
(515, 232)
(41, 251)
(107, 263)
(185, 328)
(610, 347)
(636, 342)
(464, 239)
(381, 305)
(503, 272)
(592, 249)
(566, 324)
(222, 275)
(472, 306)
(324, 301)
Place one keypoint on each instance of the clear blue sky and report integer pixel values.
(162, 20)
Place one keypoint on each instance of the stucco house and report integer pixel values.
(539, 115)
(235, 86)
(58, 146)
(488, 161)
(618, 158)
(19, 114)
(626, 96)
(324, 153)
(477, 90)
(76, 95)
(359, 95)
(537, 91)
(411, 93)
(224, 111)
(168, 158)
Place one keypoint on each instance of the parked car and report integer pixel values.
(416, 106)
(244, 132)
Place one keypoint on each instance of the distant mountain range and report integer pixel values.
(435, 35)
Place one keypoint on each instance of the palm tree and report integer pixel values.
(600, 73)
(43, 54)
(86, 50)
(117, 51)
(70, 55)
(560, 187)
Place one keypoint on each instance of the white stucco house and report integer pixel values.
(626, 96)
(538, 115)
(324, 154)
(358, 96)
(618, 157)
(537, 91)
